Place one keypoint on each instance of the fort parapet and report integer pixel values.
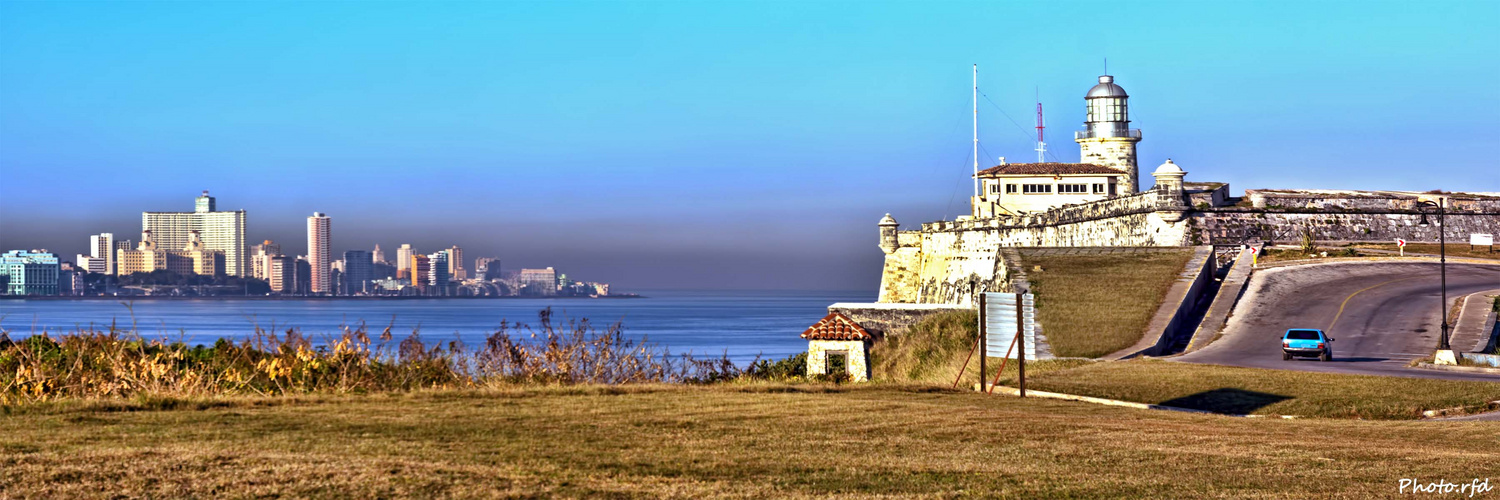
(948, 262)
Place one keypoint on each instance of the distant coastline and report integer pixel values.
(281, 298)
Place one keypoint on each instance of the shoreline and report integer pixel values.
(315, 298)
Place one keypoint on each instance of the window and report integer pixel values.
(1010, 189)
(1111, 188)
(1099, 189)
(1072, 188)
(1036, 188)
(836, 362)
(1302, 335)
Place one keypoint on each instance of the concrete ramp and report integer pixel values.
(1223, 304)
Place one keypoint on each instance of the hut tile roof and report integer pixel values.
(836, 326)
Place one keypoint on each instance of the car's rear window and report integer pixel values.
(1302, 335)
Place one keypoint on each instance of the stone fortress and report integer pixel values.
(1098, 203)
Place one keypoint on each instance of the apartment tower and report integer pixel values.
(317, 253)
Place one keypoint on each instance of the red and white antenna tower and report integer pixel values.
(1041, 146)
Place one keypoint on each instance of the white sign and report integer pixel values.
(1000, 317)
(1481, 240)
(1400, 242)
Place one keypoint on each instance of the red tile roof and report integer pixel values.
(836, 326)
(1048, 168)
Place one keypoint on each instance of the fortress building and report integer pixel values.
(1098, 203)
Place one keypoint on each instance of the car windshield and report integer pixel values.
(1302, 335)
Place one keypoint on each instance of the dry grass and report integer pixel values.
(113, 364)
(1227, 389)
(1090, 306)
(712, 442)
(1362, 250)
(1453, 249)
(935, 350)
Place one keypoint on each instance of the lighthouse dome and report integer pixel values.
(1106, 88)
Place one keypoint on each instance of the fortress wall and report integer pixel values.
(1364, 201)
(1226, 227)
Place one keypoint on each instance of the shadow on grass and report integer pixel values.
(1232, 401)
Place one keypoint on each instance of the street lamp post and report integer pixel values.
(1424, 207)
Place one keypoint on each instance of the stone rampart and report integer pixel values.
(1229, 227)
(948, 262)
(890, 319)
(1367, 201)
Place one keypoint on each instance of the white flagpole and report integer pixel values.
(976, 139)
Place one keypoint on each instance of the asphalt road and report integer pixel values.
(1380, 315)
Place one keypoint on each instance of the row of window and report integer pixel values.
(1107, 110)
(1098, 188)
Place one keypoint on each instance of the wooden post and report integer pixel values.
(983, 342)
(1021, 339)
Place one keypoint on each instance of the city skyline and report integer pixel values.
(694, 146)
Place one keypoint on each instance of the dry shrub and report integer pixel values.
(116, 363)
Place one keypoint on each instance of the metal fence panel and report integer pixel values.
(1001, 314)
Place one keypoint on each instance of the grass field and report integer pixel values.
(717, 441)
(1090, 306)
(1227, 389)
(1453, 249)
(1361, 250)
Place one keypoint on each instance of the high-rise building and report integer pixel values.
(539, 281)
(359, 269)
(487, 268)
(419, 268)
(403, 260)
(378, 256)
(102, 246)
(193, 258)
(303, 276)
(281, 274)
(317, 252)
(437, 273)
(260, 259)
(222, 231)
(456, 269)
(30, 273)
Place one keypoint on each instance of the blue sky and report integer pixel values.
(697, 144)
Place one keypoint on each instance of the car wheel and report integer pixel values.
(1286, 356)
(1326, 356)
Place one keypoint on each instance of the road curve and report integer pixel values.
(1381, 316)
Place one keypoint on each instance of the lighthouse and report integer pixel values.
(1107, 138)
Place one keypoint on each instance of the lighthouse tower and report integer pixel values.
(1108, 139)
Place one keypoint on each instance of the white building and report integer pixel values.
(101, 257)
(1011, 189)
(222, 231)
(1106, 146)
(403, 260)
(317, 252)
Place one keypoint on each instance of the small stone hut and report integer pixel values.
(837, 337)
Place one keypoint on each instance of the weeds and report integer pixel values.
(112, 363)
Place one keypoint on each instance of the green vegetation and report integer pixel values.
(112, 364)
(935, 350)
(96, 282)
(1228, 389)
(736, 440)
(1093, 305)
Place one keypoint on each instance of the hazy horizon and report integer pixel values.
(695, 146)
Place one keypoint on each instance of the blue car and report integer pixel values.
(1307, 343)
